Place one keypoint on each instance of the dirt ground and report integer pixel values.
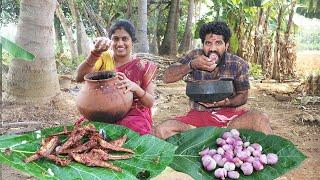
(291, 119)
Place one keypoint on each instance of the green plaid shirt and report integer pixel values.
(231, 67)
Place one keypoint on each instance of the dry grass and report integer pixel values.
(308, 62)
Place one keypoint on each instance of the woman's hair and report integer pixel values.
(216, 27)
(126, 25)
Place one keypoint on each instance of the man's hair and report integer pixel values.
(126, 25)
(216, 27)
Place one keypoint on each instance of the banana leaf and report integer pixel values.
(151, 156)
(190, 143)
(15, 50)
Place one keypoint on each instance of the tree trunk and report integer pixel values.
(129, 9)
(187, 36)
(167, 43)
(197, 7)
(257, 39)
(250, 44)
(154, 41)
(83, 43)
(276, 62)
(174, 45)
(142, 36)
(239, 35)
(58, 36)
(267, 47)
(35, 81)
(289, 48)
(95, 21)
(217, 7)
(287, 33)
(68, 31)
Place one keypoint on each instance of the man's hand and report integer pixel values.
(222, 103)
(203, 63)
(101, 44)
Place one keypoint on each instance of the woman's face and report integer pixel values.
(121, 43)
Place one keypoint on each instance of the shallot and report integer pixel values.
(247, 168)
(233, 174)
(257, 165)
(229, 166)
(233, 154)
(272, 158)
(220, 173)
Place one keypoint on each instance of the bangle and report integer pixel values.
(95, 54)
(145, 92)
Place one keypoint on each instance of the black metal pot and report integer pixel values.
(209, 91)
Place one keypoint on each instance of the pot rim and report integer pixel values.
(91, 74)
(207, 81)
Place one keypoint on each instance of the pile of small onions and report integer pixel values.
(232, 154)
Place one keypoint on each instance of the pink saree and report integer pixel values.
(139, 117)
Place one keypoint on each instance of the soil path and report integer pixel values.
(284, 115)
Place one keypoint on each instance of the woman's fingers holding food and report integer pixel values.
(101, 44)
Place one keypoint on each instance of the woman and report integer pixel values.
(135, 74)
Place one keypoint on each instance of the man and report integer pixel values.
(209, 63)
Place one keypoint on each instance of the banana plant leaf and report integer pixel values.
(15, 50)
(190, 143)
(151, 156)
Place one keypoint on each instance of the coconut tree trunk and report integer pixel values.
(83, 43)
(187, 36)
(68, 31)
(36, 81)
(167, 43)
(197, 7)
(142, 36)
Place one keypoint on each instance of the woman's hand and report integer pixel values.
(126, 84)
(222, 103)
(101, 44)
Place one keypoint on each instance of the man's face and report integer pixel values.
(214, 44)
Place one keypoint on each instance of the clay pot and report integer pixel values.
(101, 100)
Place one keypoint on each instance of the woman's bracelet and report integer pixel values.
(145, 92)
